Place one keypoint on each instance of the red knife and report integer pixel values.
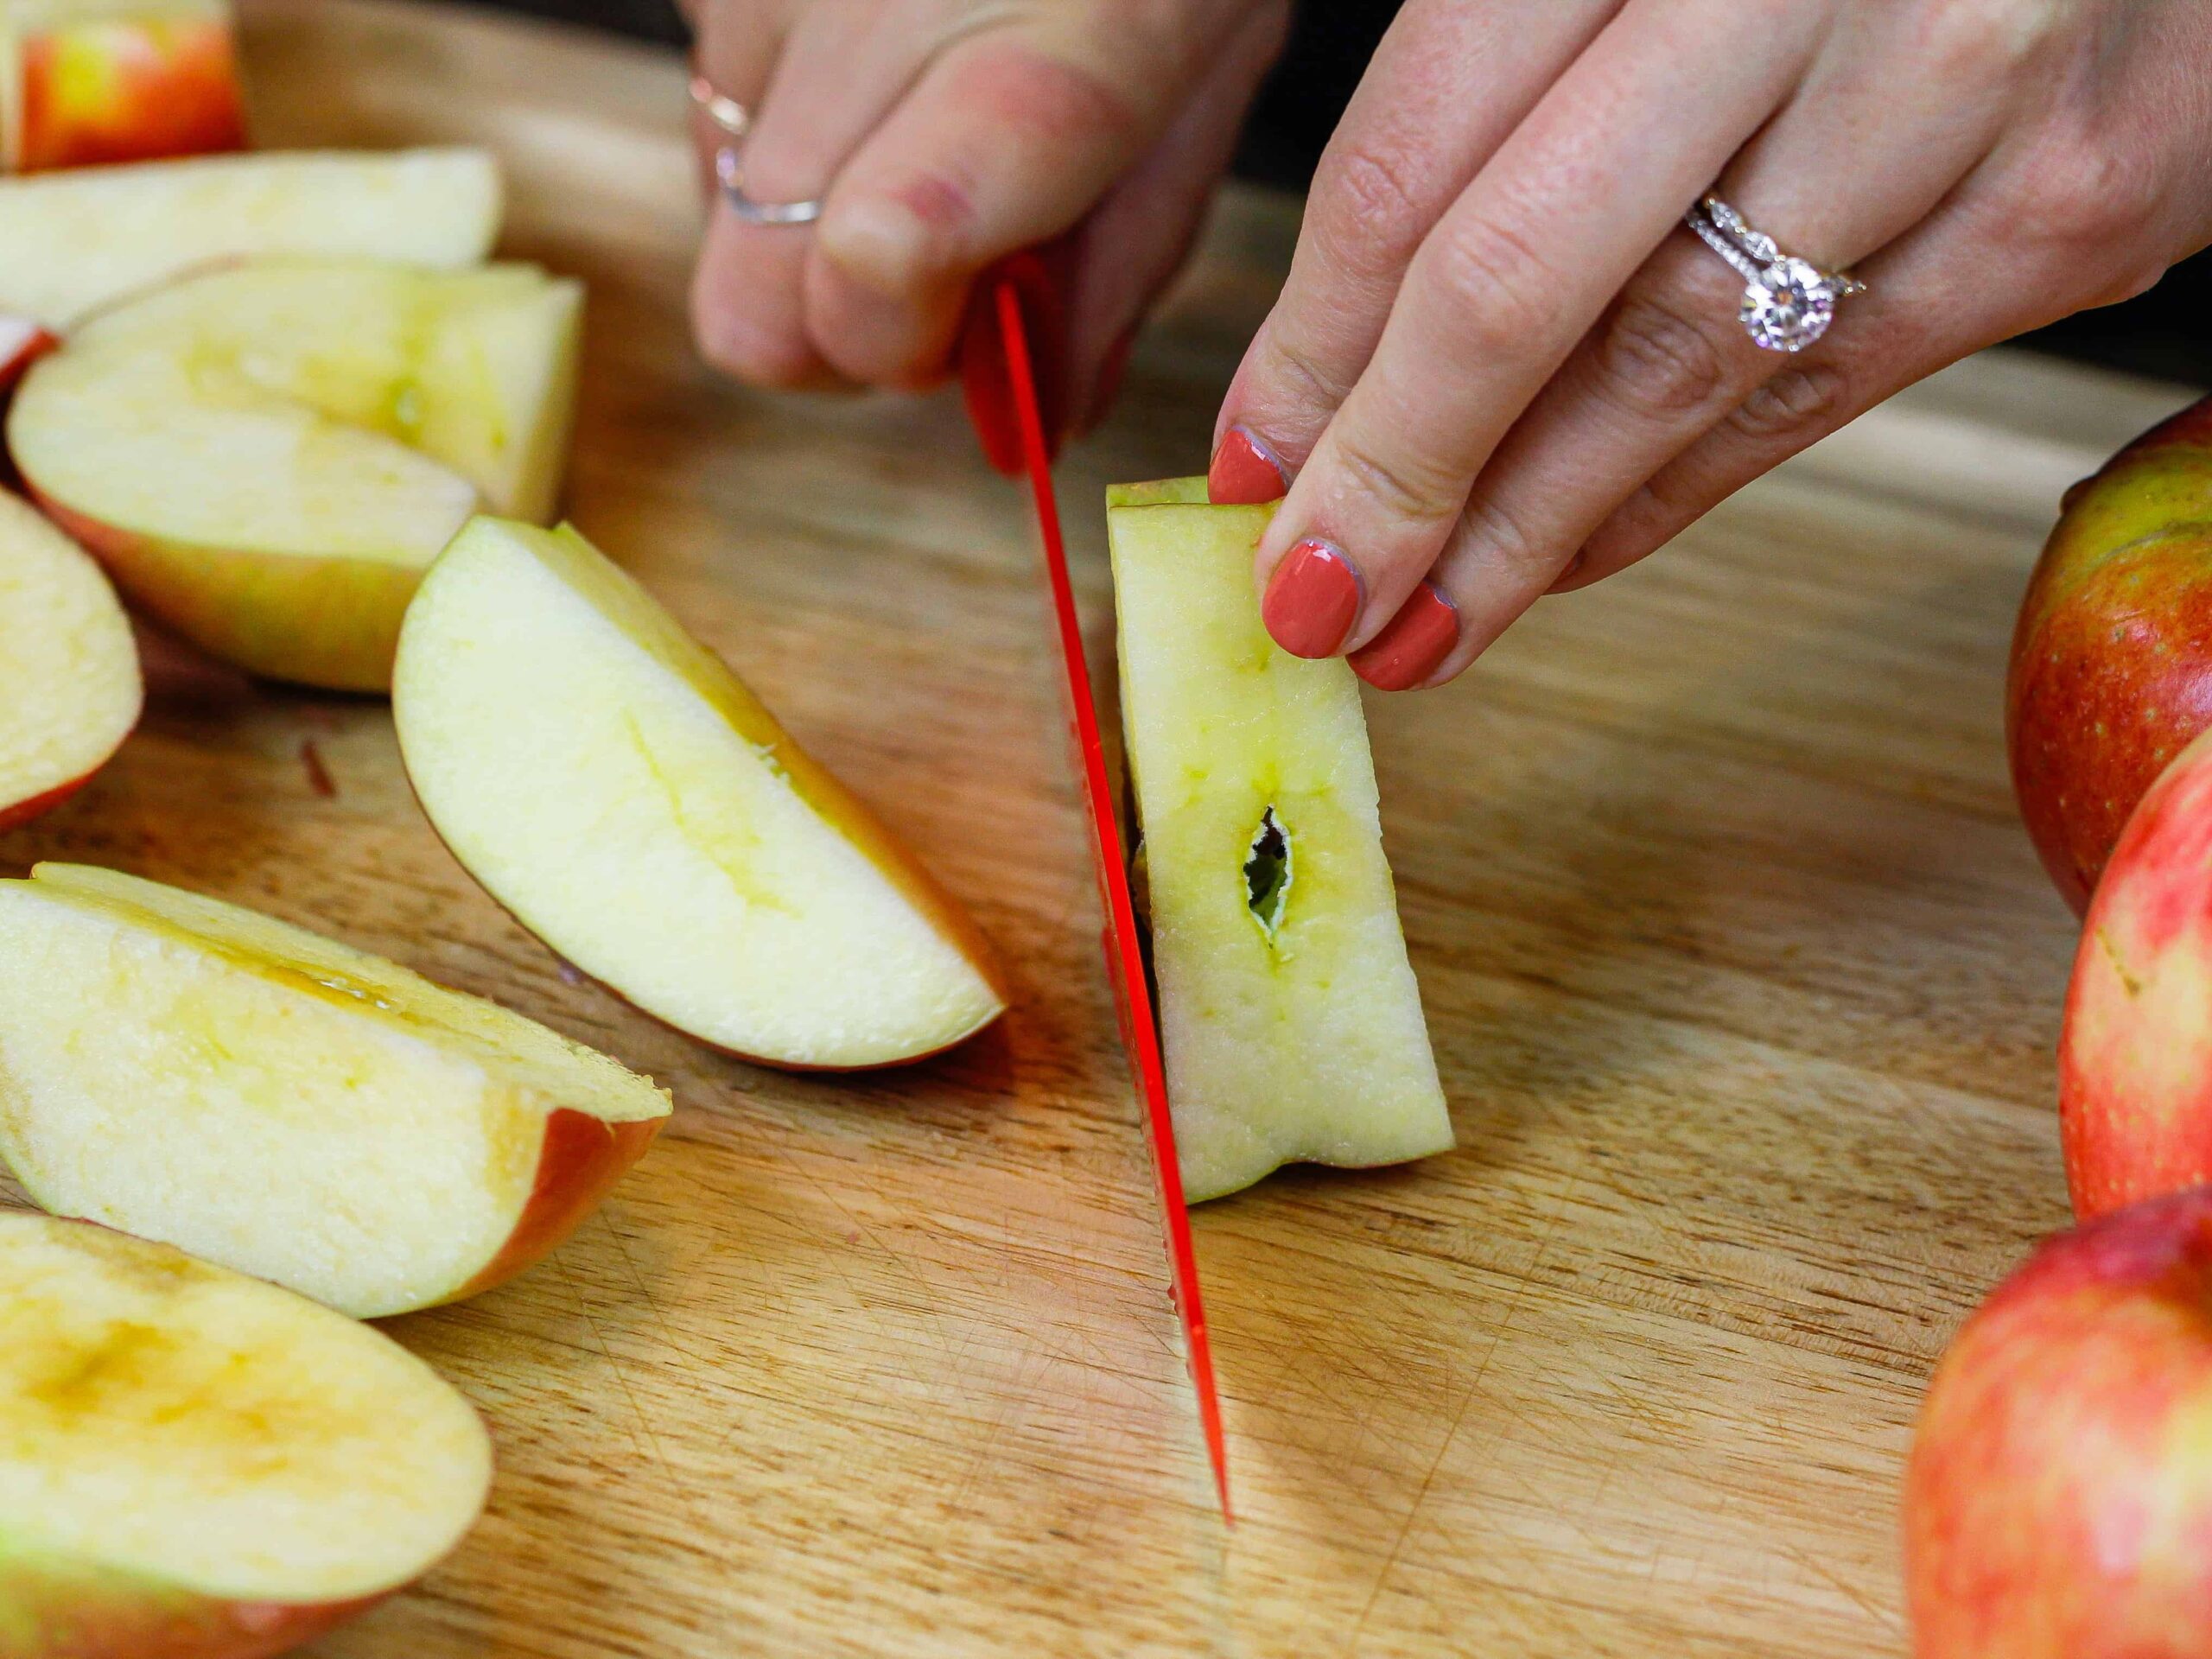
(1017, 304)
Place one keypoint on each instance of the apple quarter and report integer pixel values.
(1289, 1015)
(196, 1463)
(73, 244)
(267, 456)
(70, 688)
(185, 1069)
(623, 794)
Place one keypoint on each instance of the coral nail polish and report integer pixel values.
(1313, 599)
(1244, 470)
(1413, 644)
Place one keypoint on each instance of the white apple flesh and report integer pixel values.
(74, 243)
(267, 457)
(616, 787)
(194, 1465)
(70, 688)
(1289, 1015)
(268, 1099)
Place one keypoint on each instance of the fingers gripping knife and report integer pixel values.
(1015, 305)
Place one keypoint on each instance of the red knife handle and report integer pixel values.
(1037, 275)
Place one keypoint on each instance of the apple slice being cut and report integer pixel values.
(194, 1465)
(73, 244)
(268, 457)
(618, 789)
(69, 684)
(270, 1099)
(1288, 1012)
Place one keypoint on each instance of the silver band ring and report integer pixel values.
(733, 121)
(1788, 302)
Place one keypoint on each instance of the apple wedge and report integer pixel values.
(70, 689)
(194, 1465)
(100, 81)
(1288, 1012)
(75, 244)
(618, 789)
(268, 457)
(265, 1097)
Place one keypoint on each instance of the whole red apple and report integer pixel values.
(2111, 661)
(2135, 1054)
(2058, 1505)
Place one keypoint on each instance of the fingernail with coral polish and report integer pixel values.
(1413, 644)
(1245, 470)
(1313, 599)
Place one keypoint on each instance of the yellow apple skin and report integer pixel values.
(52, 1610)
(329, 622)
(138, 86)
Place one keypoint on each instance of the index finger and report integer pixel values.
(1448, 84)
(1513, 275)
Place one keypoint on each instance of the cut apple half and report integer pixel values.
(185, 1069)
(70, 689)
(267, 457)
(1289, 1011)
(618, 790)
(194, 1465)
(73, 244)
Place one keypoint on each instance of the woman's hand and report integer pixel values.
(1500, 367)
(943, 134)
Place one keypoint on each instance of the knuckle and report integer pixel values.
(1656, 362)
(1406, 488)
(1507, 541)
(1375, 193)
(1312, 381)
(1971, 41)
(2077, 190)
(1500, 290)
(1798, 404)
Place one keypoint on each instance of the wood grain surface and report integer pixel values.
(1743, 978)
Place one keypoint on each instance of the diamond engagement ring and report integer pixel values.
(1788, 303)
(732, 120)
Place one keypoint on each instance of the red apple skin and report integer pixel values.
(2111, 669)
(21, 812)
(21, 344)
(95, 1613)
(129, 89)
(578, 1165)
(2135, 1052)
(2058, 1501)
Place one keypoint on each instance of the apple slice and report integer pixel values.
(185, 1069)
(69, 684)
(610, 783)
(194, 1465)
(120, 80)
(73, 244)
(268, 457)
(1289, 1011)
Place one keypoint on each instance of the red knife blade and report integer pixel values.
(999, 374)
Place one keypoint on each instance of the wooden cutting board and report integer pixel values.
(1743, 978)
